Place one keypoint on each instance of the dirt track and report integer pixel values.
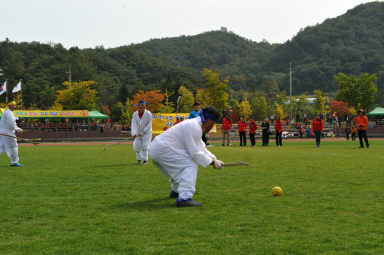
(214, 141)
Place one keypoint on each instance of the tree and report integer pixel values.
(202, 97)
(260, 107)
(77, 96)
(186, 101)
(216, 89)
(320, 103)
(126, 116)
(168, 107)
(358, 92)
(338, 106)
(152, 98)
(245, 109)
(280, 111)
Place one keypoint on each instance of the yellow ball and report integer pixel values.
(277, 191)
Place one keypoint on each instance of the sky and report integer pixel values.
(113, 23)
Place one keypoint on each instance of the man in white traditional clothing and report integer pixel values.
(178, 151)
(8, 127)
(141, 130)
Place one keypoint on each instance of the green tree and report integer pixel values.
(216, 89)
(186, 101)
(320, 104)
(260, 107)
(168, 106)
(77, 96)
(358, 92)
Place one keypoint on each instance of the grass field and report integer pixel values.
(81, 200)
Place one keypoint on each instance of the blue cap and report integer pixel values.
(142, 102)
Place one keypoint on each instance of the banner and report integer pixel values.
(163, 121)
(51, 114)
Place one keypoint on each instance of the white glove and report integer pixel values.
(141, 134)
(19, 130)
(219, 164)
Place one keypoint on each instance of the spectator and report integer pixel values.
(226, 127)
(252, 131)
(279, 131)
(196, 113)
(301, 131)
(308, 131)
(265, 132)
(317, 125)
(347, 131)
(242, 126)
(362, 123)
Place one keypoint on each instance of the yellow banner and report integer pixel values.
(163, 121)
(51, 114)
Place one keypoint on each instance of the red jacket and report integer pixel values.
(362, 122)
(242, 125)
(227, 124)
(279, 125)
(317, 125)
(252, 127)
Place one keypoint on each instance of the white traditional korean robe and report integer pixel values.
(177, 153)
(141, 126)
(8, 144)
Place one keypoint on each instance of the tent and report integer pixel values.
(96, 115)
(378, 111)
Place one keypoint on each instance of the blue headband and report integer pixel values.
(207, 115)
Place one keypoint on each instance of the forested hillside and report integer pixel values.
(351, 43)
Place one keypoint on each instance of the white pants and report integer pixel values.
(9, 146)
(181, 170)
(141, 146)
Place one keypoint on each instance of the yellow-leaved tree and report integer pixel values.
(77, 96)
(202, 97)
(216, 89)
(186, 100)
(280, 111)
(245, 109)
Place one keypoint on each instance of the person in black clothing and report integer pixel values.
(266, 132)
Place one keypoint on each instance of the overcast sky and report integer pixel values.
(111, 23)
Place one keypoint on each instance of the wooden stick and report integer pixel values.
(22, 139)
(116, 143)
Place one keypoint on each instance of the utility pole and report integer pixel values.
(290, 87)
(69, 74)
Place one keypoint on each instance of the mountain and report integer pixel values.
(351, 43)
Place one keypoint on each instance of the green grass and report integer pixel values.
(81, 200)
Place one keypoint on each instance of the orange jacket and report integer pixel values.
(252, 127)
(279, 125)
(227, 124)
(317, 125)
(242, 125)
(362, 122)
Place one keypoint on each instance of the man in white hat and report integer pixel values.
(8, 127)
(141, 130)
(178, 151)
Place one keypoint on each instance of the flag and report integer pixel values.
(3, 88)
(17, 88)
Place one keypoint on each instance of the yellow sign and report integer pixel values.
(51, 114)
(163, 121)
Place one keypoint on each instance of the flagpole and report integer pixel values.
(21, 95)
(6, 92)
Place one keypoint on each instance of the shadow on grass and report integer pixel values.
(146, 205)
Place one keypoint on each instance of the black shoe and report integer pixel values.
(145, 162)
(188, 202)
(367, 146)
(139, 162)
(173, 194)
(223, 145)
